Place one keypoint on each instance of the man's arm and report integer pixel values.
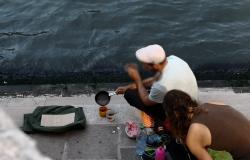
(134, 75)
(143, 93)
(197, 140)
(146, 83)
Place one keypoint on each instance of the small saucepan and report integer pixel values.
(103, 97)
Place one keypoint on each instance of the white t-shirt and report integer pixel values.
(175, 75)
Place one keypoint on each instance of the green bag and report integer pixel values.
(220, 155)
(33, 122)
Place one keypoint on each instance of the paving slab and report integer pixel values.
(95, 142)
(51, 145)
(17, 107)
(100, 141)
(128, 153)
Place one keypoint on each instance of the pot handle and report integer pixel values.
(112, 94)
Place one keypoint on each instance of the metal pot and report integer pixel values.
(103, 97)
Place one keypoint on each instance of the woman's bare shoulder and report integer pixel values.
(199, 133)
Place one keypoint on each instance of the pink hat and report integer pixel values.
(154, 54)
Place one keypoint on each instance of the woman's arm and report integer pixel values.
(198, 138)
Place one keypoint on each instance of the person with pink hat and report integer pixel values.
(171, 72)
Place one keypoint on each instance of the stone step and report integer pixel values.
(94, 142)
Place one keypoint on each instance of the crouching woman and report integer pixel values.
(218, 127)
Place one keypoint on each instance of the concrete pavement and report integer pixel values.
(101, 139)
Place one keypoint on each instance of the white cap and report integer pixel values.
(154, 54)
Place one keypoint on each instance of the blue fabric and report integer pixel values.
(153, 140)
(141, 143)
(144, 141)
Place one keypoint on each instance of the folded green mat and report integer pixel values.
(54, 119)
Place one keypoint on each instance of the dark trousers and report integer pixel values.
(156, 112)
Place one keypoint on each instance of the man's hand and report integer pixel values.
(121, 90)
(133, 72)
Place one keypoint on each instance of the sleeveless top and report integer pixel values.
(230, 130)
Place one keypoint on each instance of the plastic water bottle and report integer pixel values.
(160, 153)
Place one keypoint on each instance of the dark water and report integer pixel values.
(87, 40)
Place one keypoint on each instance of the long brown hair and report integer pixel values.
(178, 105)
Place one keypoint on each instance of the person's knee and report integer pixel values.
(129, 95)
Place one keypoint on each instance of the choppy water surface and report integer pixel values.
(70, 37)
